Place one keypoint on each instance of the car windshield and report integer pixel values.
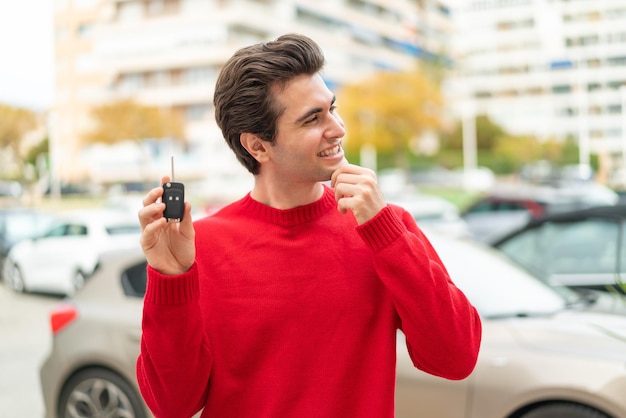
(496, 286)
(25, 225)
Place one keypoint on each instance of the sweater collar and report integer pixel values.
(293, 216)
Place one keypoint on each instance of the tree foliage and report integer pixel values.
(487, 134)
(502, 152)
(15, 122)
(389, 110)
(127, 120)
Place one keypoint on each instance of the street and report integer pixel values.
(25, 340)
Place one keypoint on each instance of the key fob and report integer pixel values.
(174, 199)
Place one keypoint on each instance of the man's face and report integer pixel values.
(309, 132)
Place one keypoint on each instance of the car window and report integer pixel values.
(57, 231)
(75, 230)
(527, 249)
(23, 225)
(584, 247)
(134, 280)
(496, 286)
(123, 229)
(510, 206)
(481, 207)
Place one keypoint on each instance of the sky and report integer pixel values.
(27, 53)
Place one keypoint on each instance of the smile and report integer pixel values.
(331, 151)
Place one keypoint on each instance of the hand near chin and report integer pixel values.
(356, 189)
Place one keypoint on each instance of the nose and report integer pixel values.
(336, 127)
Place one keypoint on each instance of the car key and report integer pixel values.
(174, 199)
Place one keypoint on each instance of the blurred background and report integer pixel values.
(502, 121)
(449, 96)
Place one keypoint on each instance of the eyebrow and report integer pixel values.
(313, 111)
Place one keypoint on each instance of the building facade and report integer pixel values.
(549, 68)
(168, 53)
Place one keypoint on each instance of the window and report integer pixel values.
(197, 112)
(129, 11)
(134, 280)
(582, 247)
(161, 7)
(561, 249)
(199, 75)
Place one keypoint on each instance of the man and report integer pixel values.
(286, 303)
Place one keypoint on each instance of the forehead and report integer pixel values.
(303, 92)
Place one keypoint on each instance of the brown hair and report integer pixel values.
(243, 92)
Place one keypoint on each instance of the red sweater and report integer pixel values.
(294, 313)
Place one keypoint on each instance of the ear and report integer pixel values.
(255, 146)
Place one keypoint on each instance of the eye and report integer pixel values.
(311, 120)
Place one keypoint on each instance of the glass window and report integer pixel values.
(134, 280)
(482, 207)
(129, 11)
(123, 229)
(584, 247)
(198, 112)
(57, 231)
(23, 225)
(75, 230)
(527, 250)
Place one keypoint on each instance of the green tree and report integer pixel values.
(487, 134)
(15, 123)
(389, 110)
(127, 120)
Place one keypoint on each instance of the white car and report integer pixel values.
(61, 260)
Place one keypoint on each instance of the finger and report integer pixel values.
(151, 232)
(152, 196)
(341, 169)
(186, 225)
(150, 213)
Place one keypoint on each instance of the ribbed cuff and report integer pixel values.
(171, 290)
(380, 231)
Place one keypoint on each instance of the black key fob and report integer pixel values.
(174, 199)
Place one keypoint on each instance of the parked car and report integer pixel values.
(96, 334)
(432, 212)
(19, 223)
(545, 352)
(61, 260)
(543, 355)
(509, 207)
(580, 249)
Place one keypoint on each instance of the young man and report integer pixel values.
(286, 303)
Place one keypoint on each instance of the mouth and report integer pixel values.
(330, 151)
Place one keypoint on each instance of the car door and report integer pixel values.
(419, 394)
(54, 256)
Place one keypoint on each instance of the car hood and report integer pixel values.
(576, 334)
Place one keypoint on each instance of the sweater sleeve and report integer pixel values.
(174, 363)
(443, 330)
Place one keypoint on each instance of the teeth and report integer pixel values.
(329, 152)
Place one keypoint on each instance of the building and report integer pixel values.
(168, 53)
(549, 68)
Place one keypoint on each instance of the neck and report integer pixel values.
(285, 197)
